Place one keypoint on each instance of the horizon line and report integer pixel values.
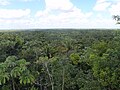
(56, 29)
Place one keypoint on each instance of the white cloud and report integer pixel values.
(13, 13)
(41, 13)
(101, 5)
(58, 4)
(4, 2)
(15, 18)
(101, 1)
(61, 13)
(26, 0)
(21, 23)
(115, 9)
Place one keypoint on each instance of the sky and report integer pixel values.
(42, 14)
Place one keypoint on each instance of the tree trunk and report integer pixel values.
(63, 80)
(13, 84)
(50, 76)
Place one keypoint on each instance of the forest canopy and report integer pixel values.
(60, 60)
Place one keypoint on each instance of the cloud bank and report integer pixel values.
(60, 14)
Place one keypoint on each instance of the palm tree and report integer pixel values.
(116, 18)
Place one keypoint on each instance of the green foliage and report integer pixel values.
(33, 88)
(104, 66)
(60, 60)
(6, 87)
(13, 69)
(27, 79)
(75, 58)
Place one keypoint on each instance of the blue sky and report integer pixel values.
(28, 14)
